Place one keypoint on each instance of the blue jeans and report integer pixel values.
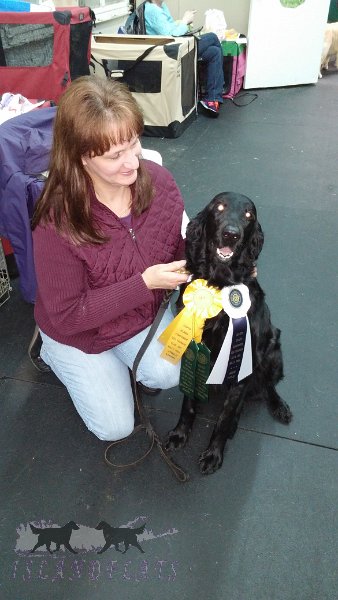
(99, 384)
(209, 49)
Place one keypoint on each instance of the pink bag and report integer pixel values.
(237, 68)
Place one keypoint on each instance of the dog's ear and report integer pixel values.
(196, 228)
(196, 242)
(256, 241)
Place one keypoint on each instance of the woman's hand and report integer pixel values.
(165, 277)
(188, 16)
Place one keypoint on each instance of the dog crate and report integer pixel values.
(159, 71)
(5, 286)
(42, 52)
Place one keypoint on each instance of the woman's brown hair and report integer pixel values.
(93, 114)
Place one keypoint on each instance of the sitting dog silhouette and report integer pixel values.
(115, 535)
(59, 535)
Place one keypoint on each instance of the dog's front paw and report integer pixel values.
(176, 439)
(210, 460)
(283, 413)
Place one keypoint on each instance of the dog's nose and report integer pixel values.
(231, 233)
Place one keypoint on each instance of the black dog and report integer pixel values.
(58, 535)
(115, 535)
(222, 244)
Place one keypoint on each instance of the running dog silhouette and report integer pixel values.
(59, 535)
(116, 535)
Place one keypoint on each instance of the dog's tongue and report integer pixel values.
(226, 250)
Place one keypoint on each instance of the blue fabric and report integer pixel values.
(209, 49)
(158, 21)
(14, 6)
(25, 143)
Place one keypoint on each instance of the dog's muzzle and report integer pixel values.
(231, 235)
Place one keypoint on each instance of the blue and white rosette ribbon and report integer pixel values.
(234, 361)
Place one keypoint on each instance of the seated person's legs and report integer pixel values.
(210, 51)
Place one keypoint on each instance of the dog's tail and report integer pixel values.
(34, 529)
(140, 529)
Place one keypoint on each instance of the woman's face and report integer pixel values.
(117, 167)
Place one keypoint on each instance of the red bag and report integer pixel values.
(6, 246)
(42, 52)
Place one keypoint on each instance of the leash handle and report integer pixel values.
(131, 464)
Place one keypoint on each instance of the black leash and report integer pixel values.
(145, 424)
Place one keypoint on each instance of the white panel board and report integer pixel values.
(285, 40)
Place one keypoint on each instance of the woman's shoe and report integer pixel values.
(34, 349)
(147, 390)
(211, 107)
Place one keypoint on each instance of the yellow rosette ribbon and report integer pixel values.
(201, 301)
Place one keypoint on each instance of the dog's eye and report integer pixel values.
(249, 215)
(220, 207)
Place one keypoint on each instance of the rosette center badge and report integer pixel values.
(235, 298)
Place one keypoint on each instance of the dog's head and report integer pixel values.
(101, 525)
(224, 240)
(73, 525)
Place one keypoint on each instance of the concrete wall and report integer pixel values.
(236, 12)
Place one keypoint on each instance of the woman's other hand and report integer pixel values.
(188, 16)
(166, 277)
